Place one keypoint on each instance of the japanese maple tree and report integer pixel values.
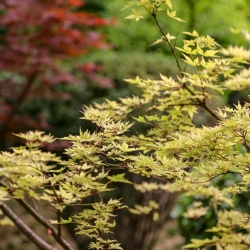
(35, 37)
(173, 154)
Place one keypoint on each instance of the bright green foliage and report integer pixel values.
(31, 173)
(185, 158)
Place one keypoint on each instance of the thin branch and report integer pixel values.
(30, 234)
(169, 44)
(204, 106)
(59, 227)
(44, 222)
(200, 102)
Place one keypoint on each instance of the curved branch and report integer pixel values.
(44, 222)
(30, 234)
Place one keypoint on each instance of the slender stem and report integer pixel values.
(44, 222)
(201, 103)
(169, 44)
(30, 234)
(59, 227)
(58, 214)
(204, 106)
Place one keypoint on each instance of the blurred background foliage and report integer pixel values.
(130, 54)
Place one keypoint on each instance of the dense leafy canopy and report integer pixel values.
(180, 155)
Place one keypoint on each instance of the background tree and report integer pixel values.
(36, 37)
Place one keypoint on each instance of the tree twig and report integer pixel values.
(44, 222)
(30, 234)
(59, 228)
(200, 102)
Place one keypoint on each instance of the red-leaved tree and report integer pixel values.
(35, 37)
